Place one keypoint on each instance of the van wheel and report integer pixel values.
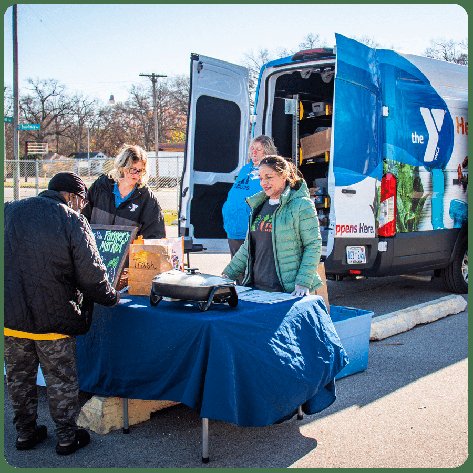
(455, 275)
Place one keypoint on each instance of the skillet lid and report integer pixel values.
(178, 278)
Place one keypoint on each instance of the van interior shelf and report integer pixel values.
(319, 159)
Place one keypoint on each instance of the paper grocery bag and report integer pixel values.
(150, 258)
(322, 291)
(146, 261)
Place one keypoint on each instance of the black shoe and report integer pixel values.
(41, 434)
(82, 439)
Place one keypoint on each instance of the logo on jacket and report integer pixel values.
(133, 207)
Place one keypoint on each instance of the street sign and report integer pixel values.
(8, 119)
(35, 147)
(29, 126)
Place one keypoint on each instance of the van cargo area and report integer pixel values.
(306, 134)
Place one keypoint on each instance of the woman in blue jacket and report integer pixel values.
(235, 210)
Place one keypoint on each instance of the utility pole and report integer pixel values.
(16, 143)
(154, 79)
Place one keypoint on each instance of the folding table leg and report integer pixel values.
(205, 440)
(300, 414)
(126, 429)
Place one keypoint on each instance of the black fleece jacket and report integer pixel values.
(140, 210)
(52, 266)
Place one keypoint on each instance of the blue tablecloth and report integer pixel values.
(252, 365)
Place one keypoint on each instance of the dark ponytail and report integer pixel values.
(284, 167)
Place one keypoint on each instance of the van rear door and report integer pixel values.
(216, 147)
(356, 167)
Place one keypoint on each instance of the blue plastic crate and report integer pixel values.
(353, 327)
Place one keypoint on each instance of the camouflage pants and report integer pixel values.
(58, 363)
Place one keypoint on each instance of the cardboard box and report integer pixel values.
(353, 328)
(316, 144)
(151, 258)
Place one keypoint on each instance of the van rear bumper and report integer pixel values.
(405, 253)
(336, 262)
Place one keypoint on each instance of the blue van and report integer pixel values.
(380, 137)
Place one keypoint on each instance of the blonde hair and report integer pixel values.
(283, 167)
(267, 143)
(127, 156)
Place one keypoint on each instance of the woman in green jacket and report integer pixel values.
(282, 248)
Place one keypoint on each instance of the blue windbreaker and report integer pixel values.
(235, 210)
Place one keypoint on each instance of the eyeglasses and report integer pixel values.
(134, 171)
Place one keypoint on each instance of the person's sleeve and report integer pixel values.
(152, 219)
(234, 196)
(90, 272)
(237, 265)
(311, 246)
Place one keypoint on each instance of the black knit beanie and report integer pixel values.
(68, 182)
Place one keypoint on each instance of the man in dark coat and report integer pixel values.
(53, 274)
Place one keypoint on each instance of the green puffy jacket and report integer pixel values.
(296, 240)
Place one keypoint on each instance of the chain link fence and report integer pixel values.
(33, 176)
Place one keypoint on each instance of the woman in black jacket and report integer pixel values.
(123, 198)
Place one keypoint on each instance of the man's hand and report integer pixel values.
(300, 291)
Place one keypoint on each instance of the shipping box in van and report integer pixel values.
(316, 144)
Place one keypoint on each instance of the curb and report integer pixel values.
(403, 320)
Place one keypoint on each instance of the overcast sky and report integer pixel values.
(101, 49)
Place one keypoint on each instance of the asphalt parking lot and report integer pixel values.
(409, 409)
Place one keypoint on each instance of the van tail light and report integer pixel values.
(388, 209)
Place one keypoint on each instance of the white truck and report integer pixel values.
(381, 139)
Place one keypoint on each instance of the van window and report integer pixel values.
(217, 135)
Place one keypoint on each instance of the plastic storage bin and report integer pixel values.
(353, 327)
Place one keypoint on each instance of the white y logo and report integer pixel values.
(133, 207)
(433, 120)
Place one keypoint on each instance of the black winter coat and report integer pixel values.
(51, 264)
(141, 210)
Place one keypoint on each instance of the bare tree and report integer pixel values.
(179, 90)
(368, 41)
(311, 41)
(109, 129)
(448, 50)
(254, 61)
(140, 107)
(46, 103)
(81, 114)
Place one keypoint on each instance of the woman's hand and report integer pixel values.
(300, 291)
(225, 276)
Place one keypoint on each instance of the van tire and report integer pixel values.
(454, 276)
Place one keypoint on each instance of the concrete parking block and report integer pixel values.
(403, 320)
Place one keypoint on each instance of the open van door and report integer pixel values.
(216, 147)
(356, 167)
